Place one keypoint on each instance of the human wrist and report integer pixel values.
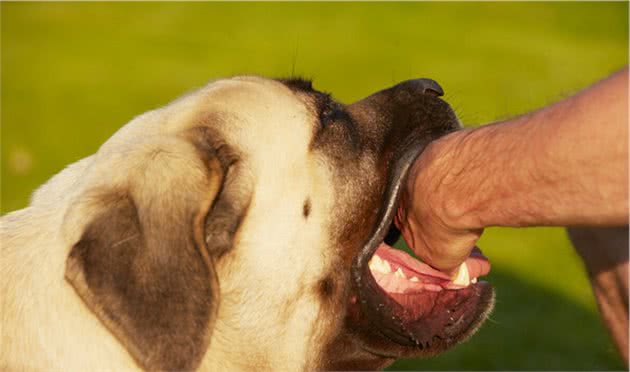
(472, 184)
(441, 174)
(560, 166)
(491, 176)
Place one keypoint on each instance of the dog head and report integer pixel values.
(234, 227)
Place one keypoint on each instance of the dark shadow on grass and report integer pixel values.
(531, 328)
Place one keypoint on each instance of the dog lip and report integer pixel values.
(388, 209)
(386, 213)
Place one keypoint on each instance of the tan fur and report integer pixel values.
(46, 326)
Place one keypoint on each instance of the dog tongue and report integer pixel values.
(477, 264)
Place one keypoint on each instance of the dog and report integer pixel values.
(239, 227)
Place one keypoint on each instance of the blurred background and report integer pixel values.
(73, 73)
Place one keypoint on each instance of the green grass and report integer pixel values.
(72, 73)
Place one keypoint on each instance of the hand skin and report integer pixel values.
(564, 165)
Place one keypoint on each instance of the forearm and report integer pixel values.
(564, 165)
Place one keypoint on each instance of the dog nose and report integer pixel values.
(424, 86)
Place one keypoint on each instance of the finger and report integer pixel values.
(399, 218)
(478, 264)
(457, 255)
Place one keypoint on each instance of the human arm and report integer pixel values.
(564, 165)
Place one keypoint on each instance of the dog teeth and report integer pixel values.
(462, 277)
(375, 261)
(387, 267)
(379, 265)
(382, 266)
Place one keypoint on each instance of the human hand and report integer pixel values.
(546, 168)
(426, 220)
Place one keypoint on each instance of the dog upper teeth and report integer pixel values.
(400, 274)
(379, 265)
(414, 279)
(462, 277)
(387, 267)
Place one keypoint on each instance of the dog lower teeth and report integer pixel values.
(378, 265)
(462, 277)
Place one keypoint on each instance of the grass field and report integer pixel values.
(72, 73)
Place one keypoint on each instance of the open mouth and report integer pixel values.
(398, 273)
(408, 307)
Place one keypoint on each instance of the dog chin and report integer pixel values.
(404, 308)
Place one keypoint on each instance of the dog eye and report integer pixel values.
(327, 116)
(330, 113)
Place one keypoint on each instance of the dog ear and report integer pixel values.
(145, 261)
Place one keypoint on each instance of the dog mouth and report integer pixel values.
(399, 273)
(404, 307)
